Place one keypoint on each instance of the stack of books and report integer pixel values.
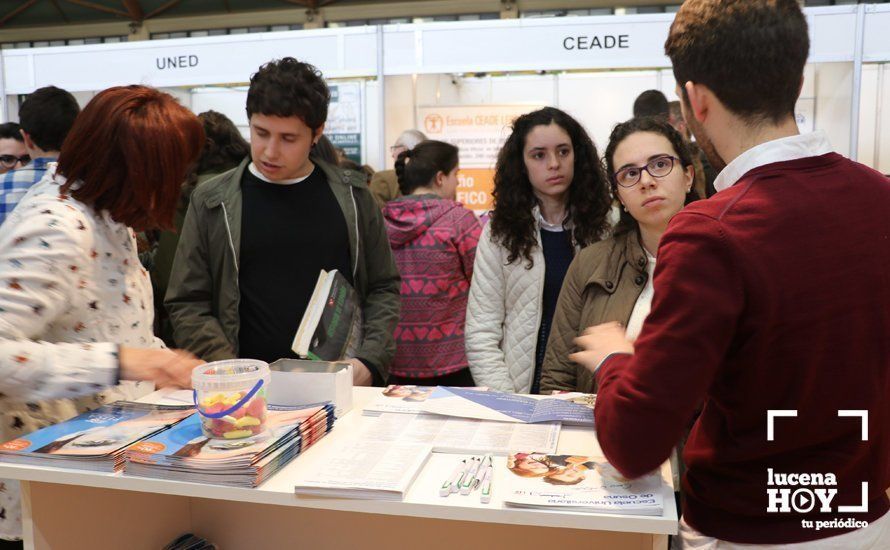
(183, 453)
(96, 440)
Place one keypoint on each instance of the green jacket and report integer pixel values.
(203, 294)
(602, 284)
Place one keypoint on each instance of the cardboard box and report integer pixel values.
(297, 382)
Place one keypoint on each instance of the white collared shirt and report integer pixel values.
(777, 150)
(545, 225)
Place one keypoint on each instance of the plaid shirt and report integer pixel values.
(15, 183)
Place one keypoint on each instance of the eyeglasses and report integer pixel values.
(9, 161)
(658, 167)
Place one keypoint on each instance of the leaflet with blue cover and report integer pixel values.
(505, 407)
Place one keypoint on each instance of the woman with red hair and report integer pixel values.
(76, 309)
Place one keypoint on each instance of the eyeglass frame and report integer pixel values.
(24, 160)
(645, 168)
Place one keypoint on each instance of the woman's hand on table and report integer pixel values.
(166, 368)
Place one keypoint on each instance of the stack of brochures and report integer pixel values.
(365, 468)
(95, 440)
(183, 453)
(581, 483)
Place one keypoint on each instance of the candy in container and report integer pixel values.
(231, 397)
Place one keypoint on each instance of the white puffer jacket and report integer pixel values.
(503, 316)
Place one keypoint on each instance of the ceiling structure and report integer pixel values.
(30, 20)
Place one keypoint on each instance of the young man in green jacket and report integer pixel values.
(255, 238)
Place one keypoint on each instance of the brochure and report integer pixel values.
(461, 435)
(95, 440)
(582, 483)
(505, 407)
(331, 328)
(364, 468)
(402, 399)
(184, 453)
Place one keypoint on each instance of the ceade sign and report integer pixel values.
(604, 42)
(176, 62)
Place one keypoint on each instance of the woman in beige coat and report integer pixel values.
(651, 174)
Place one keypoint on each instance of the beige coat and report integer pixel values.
(602, 284)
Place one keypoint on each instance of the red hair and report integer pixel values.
(129, 151)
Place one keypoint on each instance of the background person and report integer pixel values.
(650, 103)
(75, 303)
(550, 199)
(46, 116)
(13, 154)
(433, 238)
(384, 184)
(704, 172)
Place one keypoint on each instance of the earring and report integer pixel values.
(624, 207)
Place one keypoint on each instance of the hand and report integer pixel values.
(361, 376)
(598, 342)
(166, 368)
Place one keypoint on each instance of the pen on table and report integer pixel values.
(485, 494)
(447, 487)
(484, 464)
(467, 484)
(455, 487)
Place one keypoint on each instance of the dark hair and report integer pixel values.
(47, 116)
(655, 125)
(224, 146)
(325, 150)
(287, 87)
(130, 150)
(11, 130)
(651, 103)
(750, 53)
(675, 110)
(417, 167)
(512, 221)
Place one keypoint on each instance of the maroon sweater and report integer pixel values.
(773, 294)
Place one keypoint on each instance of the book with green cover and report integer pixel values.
(331, 328)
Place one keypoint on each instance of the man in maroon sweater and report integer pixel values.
(773, 295)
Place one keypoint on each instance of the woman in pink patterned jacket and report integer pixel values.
(433, 238)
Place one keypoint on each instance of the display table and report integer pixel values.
(67, 509)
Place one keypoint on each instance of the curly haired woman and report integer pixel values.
(551, 198)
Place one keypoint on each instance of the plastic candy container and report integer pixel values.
(231, 397)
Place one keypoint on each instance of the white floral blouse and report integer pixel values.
(71, 291)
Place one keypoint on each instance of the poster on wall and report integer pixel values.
(478, 131)
(344, 124)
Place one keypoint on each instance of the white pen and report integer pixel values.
(455, 487)
(454, 478)
(480, 473)
(467, 484)
(485, 495)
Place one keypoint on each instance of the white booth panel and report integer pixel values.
(228, 101)
(528, 44)
(834, 99)
(373, 150)
(832, 33)
(876, 46)
(457, 89)
(601, 100)
(188, 61)
(869, 125)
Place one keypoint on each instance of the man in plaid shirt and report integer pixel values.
(45, 117)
